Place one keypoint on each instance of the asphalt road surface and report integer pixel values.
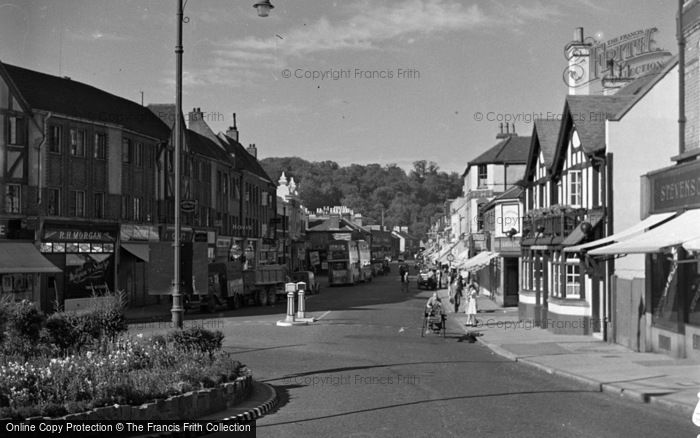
(363, 370)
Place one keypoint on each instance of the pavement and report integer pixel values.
(645, 377)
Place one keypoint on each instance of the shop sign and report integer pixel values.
(342, 236)
(167, 234)
(675, 188)
(188, 205)
(142, 233)
(52, 235)
(633, 55)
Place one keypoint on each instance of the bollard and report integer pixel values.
(301, 286)
(290, 288)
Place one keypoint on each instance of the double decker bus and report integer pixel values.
(343, 262)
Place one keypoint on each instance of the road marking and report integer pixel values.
(323, 316)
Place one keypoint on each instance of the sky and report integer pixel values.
(353, 81)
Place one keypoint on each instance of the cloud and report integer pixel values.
(97, 35)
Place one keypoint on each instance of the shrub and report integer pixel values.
(23, 328)
(197, 339)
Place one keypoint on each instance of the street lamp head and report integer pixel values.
(263, 7)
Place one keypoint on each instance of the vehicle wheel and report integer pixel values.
(271, 297)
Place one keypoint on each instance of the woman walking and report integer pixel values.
(471, 307)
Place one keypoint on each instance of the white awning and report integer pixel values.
(442, 256)
(623, 235)
(692, 245)
(677, 231)
(479, 261)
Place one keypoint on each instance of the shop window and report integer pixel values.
(573, 278)
(556, 274)
(665, 297)
(13, 198)
(694, 294)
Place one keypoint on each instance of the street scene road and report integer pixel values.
(363, 370)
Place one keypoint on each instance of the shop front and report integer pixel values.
(132, 266)
(672, 250)
(86, 258)
(21, 269)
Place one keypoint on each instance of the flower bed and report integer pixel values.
(118, 370)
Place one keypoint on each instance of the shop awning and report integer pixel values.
(576, 236)
(677, 231)
(692, 245)
(139, 250)
(23, 257)
(649, 222)
(479, 261)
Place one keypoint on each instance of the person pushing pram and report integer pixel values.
(435, 313)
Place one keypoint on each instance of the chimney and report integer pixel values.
(501, 134)
(232, 131)
(195, 115)
(252, 150)
(582, 73)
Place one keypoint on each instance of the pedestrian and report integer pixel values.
(457, 289)
(402, 271)
(404, 282)
(439, 278)
(471, 307)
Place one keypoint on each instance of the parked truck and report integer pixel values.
(233, 286)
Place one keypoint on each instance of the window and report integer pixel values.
(483, 174)
(100, 146)
(556, 274)
(77, 207)
(13, 199)
(16, 130)
(137, 209)
(99, 205)
(77, 142)
(127, 150)
(54, 202)
(56, 141)
(125, 207)
(138, 155)
(525, 285)
(541, 195)
(573, 278)
(575, 188)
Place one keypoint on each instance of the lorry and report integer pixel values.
(232, 285)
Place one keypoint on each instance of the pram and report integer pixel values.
(434, 320)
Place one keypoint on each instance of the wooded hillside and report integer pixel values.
(412, 199)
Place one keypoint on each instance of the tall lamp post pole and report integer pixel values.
(177, 311)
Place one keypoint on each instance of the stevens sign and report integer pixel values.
(675, 188)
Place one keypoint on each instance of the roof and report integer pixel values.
(589, 114)
(513, 149)
(67, 97)
(641, 86)
(333, 223)
(244, 160)
(202, 145)
(514, 192)
(547, 132)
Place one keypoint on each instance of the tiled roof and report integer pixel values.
(244, 160)
(76, 99)
(589, 113)
(547, 132)
(202, 145)
(513, 149)
(514, 192)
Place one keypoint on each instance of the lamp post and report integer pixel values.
(263, 7)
